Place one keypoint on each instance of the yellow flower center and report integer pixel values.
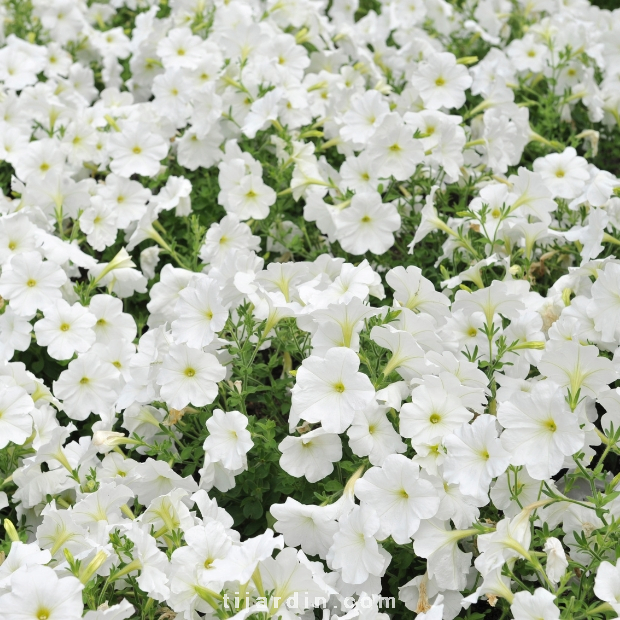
(190, 372)
(65, 327)
(339, 387)
(31, 283)
(435, 418)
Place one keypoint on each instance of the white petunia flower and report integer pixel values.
(65, 329)
(189, 376)
(330, 390)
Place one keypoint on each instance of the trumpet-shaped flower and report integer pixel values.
(578, 368)
(371, 434)
(412, 290)
(607, 584)
(330, 390)
(475, 456)
(312, 455)
(399, 497)
(432, 414)
(306, 526)
(528, 606)
(229, 440)
(15, 408)
(37, 593)
(540, 430)
(355, 551)
(367, 225)
(30, 284)
(65, 329)
(189, 376)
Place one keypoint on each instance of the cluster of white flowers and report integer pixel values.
(482, 396)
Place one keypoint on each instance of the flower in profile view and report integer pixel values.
(229, 440)
(306, 526)
(20, 556)
(288, 579)
(528, 606)
(491, 301)
(151, 563)
(556, 559)
(15, 408)
(415, 292)
(438, 544)
(242, 560)
(120, 611)
(578, 368)
(606, 584)
(604, 307)
(407, 356)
